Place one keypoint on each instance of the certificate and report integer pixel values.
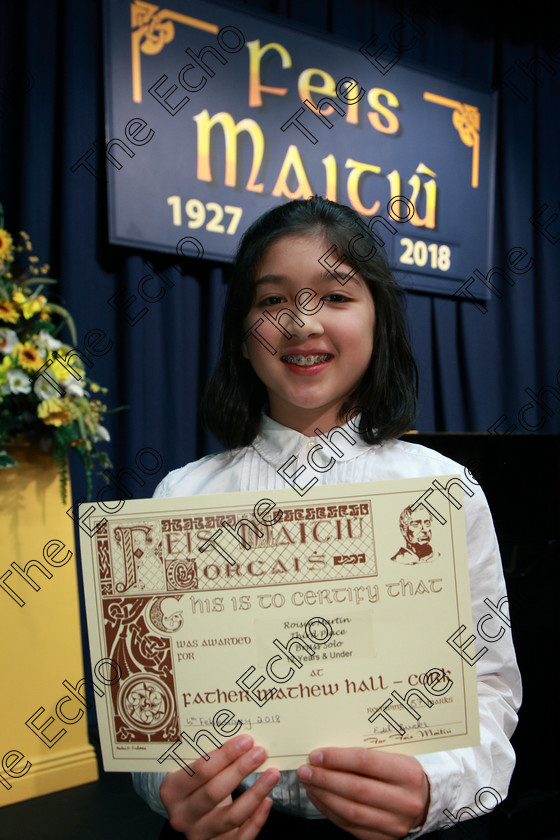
(314, 622)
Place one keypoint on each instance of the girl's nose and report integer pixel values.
(312, 325)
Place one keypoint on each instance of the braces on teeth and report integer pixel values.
(306, 360)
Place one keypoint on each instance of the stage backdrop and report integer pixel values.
(154, 342)
(214, 116)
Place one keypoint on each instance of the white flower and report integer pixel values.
(8, 340)
(19, 381)
(73, 388)
(101, 433)
(46, 342)
(44, 390)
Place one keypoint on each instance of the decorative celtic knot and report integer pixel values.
(466, 119)
(156, 34)
(154, 650)
(153, 28)
(145, 703)
(123, 611)
(141, 12)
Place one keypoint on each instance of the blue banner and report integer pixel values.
(214, 116)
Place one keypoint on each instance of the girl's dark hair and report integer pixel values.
(386, 395)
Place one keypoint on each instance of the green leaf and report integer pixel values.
(54, 307)
(82, 426)
(32, 281)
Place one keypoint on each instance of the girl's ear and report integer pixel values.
(244, 351)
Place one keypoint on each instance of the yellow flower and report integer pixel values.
(30, 307)
(28, 356)
(6, 245)
(55, 412)
(8, 312)
(26, 239)
(63, 370)
(7, 364)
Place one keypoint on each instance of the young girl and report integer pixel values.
(307, 348)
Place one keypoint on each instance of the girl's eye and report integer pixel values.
(274, 300)
(271, 300)
(336, 298)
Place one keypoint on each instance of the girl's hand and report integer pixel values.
(371, 795)
(201, 805)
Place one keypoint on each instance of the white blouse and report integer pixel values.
(457, 775)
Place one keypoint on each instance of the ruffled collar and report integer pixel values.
(276, 443)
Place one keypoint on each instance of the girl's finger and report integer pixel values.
(181, 783)
(221, 785)
(384, 766)
(253, 825)
(351, 815)
(221, 820)
(361, 789)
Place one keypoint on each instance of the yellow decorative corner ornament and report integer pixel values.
(466, 120)
(152, 29)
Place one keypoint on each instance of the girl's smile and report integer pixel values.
(306, 361)
(312, 372)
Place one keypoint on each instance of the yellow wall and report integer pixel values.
(40, 641)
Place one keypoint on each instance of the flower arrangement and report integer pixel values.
(43, 398)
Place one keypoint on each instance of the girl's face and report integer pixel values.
(309, 375)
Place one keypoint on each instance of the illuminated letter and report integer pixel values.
(231, 130)
(392, 124)
(430, 187)
(256, 52)
(292, 160)
(329, 162)
(353, 185)
(124, 535)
